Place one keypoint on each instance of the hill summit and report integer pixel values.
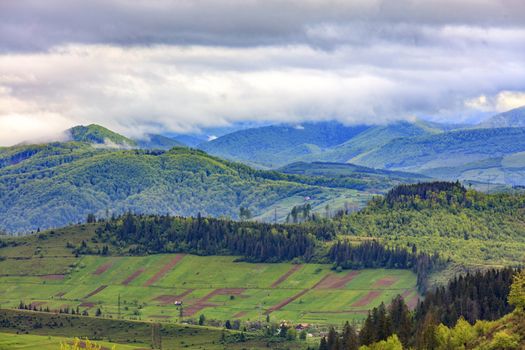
(96, 134)
(515, 118)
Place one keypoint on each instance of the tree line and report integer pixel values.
(372, 254)
(255, 242)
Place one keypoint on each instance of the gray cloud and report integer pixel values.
(150, 66)
(37, 25)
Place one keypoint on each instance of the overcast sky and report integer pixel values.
(153, 65)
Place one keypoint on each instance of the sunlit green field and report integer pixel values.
(10, 341)
(217, 287)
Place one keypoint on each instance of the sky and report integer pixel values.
(150, 66)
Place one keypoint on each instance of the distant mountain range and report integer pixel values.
(492, 151)
(277, 145)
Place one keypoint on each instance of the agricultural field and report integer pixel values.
(217, 287)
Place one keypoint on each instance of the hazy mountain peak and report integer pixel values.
(159, 142)
(515, 118)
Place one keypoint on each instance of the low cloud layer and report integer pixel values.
(152, 66)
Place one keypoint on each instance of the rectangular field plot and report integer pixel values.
(222, 272)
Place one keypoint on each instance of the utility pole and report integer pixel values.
(156, 337)
(181, 313)
(275, 216)
(118, 303)
(489, 181)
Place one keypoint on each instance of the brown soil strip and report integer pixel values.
(203, 302)
(364, 312)
(60, 295)
(287, 301)
(96, 291)
(160, 316)
(132, 277)
(37, 304)
(102, 268)
(328, 281)
(53, 277)
(412, 302)
(321, 281)
(87, 305)
(367, 299)
(385, 282)
(286, 275)
(164, 270)
(336, 282)
(406, 293)
(240, 314)
(170, 299)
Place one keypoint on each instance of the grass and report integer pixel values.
(30, 327)
(10, 341)
(36, 330)
(197, 277)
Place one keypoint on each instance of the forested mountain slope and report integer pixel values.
(373, 178)
(470, 154)
(469, 227)
(96, 134)
(277, 145)
(158, 142)
(515, 118)
(376, 137)
(56, 184)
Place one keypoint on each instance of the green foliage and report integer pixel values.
(465, 225)
(210, 236)
(503, 340)
(202, 319)
(517, 291)
(392, 343)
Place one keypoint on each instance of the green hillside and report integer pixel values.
(55, 184)
(374, 138)
(277, 145)
(515, 118)
(469, 227)
(158, 142)
(454, 150)
(97, 134)
(374, 178)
